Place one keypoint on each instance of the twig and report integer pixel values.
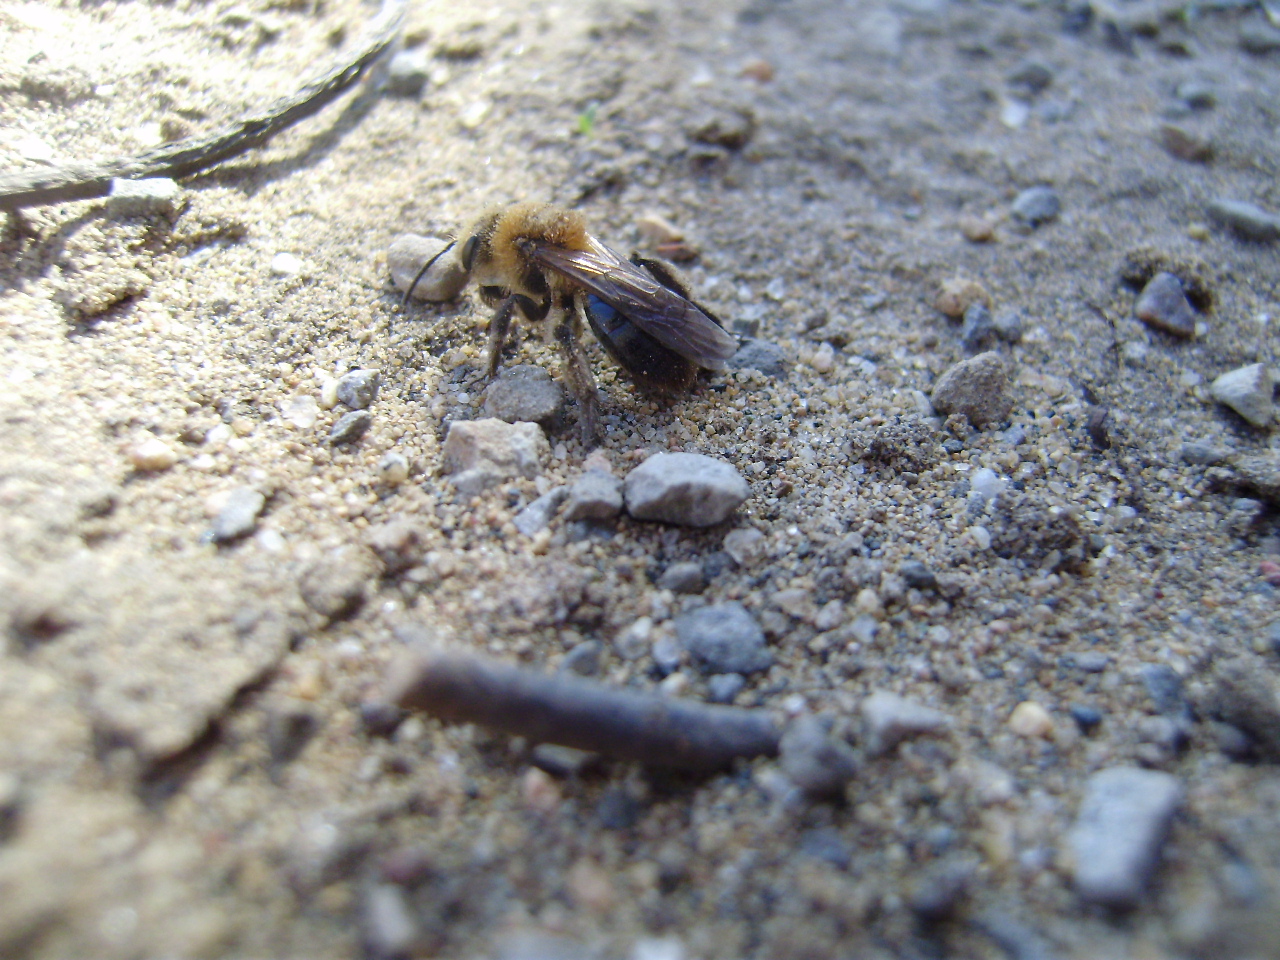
(85, 181)
(574, 712)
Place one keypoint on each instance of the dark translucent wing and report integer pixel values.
(662, 313)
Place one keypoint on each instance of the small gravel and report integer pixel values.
(584, 659)
(978, 329)
(1249, 392)
(152, 455)
(724, 638)
(595, 495)
(407, 73)
(769, 358)
(1121, 827)
(239, 516)
(359, 388)
(1009, 326)
(537, 515)
(683, 577)
(526, 393)
(1244, 691)
(1163, 304)
(814, 760)
(1036, 206)
(286, 265)
(724, 687)
(976, 388)
(142, 198)
(387, 923)
(688, 489)
(405, 258)
(1247, 220)
(482, 453)
(350, 427)
(890, 719)
(956, 295)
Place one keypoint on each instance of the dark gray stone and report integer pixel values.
(814, 760)
(359, 388)
(1163, 304)
(683, 577)
(1245, 219)
(239, 515)
(724, 638)
(1037, 206)
(526, 394)
(350, 427)
(768, 358)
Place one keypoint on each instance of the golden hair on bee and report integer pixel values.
(500, 229)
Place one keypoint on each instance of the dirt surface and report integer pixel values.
(185, 766)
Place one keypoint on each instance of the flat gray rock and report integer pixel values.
(1248, 391)
(1122, 825)
(724, 638)
(684, 488)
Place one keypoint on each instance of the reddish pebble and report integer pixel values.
(1270, 571)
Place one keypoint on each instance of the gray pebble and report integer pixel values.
(1031, 76)
(1091, 661)
(1259, 38)
(1164, 687)
(537, 515)
(239, 515)
(814, 760)
(890, 719)
(1196, 94)
(1008, 326)
(683, 577)
(289, 729)
(1202, 453)
(684, 488)
(917, 575)
(1245, 219)
(400, 543)
(731, 129)
(1163, 304)
(335, 584)
(350, 427)
(976, 388)
(406, 256)
(407, 73)
(141, 198)
(1245, 693)
(584, 659)
(389, 928)
(978, 328)
(359, 388)
(724, 687)
(526, 394)
(667, 653)
(724, 638)
(560, 761)
(1248, 391)
(1122, 825)
(482, 453)
(768, 358)
(595, 495)
(1036, 206)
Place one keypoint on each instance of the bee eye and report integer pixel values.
(469, 252)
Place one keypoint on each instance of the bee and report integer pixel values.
(539, 261)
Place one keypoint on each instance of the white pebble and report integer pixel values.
(286, 265)
(152, 454)
(1029, 719)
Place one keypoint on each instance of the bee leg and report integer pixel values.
(499, 327)
(568, 334)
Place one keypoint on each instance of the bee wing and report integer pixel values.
(661, 312)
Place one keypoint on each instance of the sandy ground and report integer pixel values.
(184, 767)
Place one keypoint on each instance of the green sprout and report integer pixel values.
(587, 119)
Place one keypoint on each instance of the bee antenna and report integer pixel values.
(404, 302)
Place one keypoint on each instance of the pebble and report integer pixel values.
(1029, 719)
(1245, 692)
(1037, 206)
(1163, 304)
(823, 359)
(239, 515)
(400, 543)
(890, 719)
(1032, 76)
(814, 760)
(978, 328)
(656, 230)
(140, 198)
(724, 687)
(152, 455)
(301, 412)
(731, 129)
(406, 256)
(1116, 840)
(977, 229)
(12, 798)
(389, 929)
(1196, 94)
(560, 761)
(958, 294)
(724, 638)
(393, 469)
(685, 576)
(537, 515)
(334, 585)
(584, 658)
(286, 265)
(482, 453)
(1245, 219)
(632, 642)
(689, 489)
(917, 576)
(768, 358)
(350, 427)
(976, 388)
(407, 73)
(1248, 391)
(618, 809)
(1185, 145)
(1008, 326)
(289, 728)
(359, 388)
(1202, 453)
(526, 393)
(1086, 717)
(1259, 38)
(745, 545)
(595, 495)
